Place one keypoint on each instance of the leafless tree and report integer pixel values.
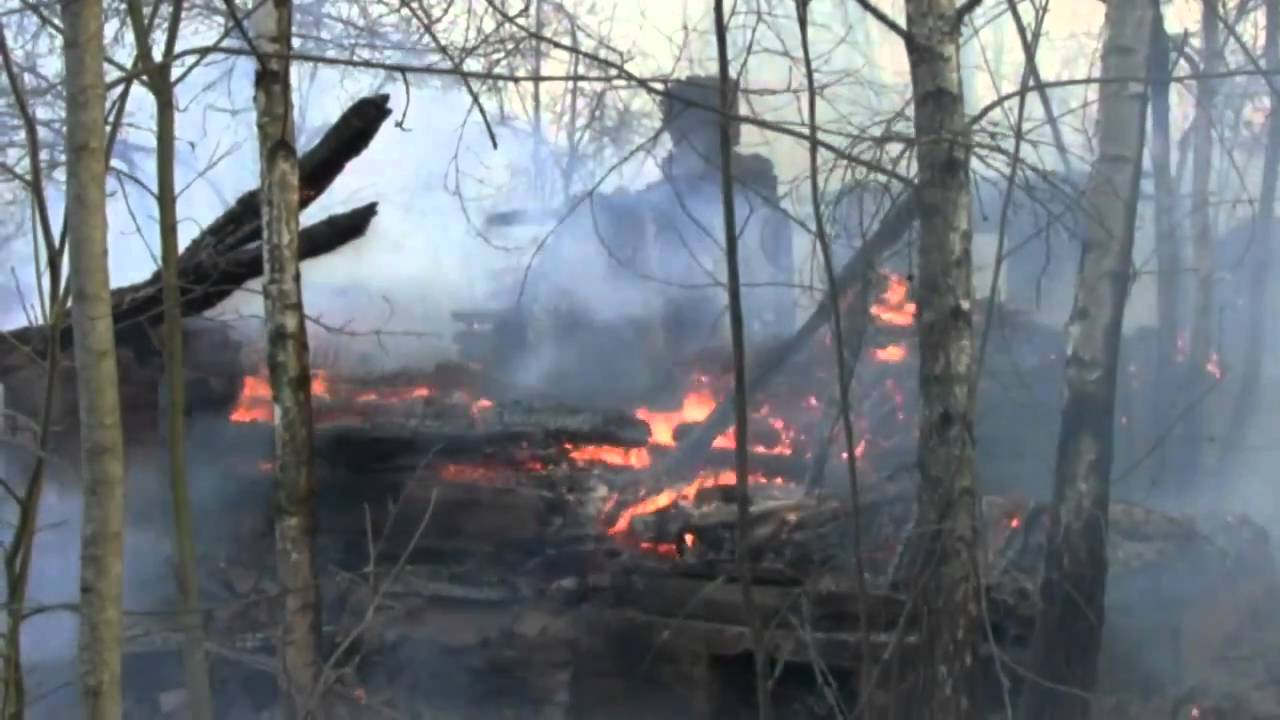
(1068, 637)
(97, 382)
(287, 362)
(160, 82)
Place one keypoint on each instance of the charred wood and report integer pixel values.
(221, 258)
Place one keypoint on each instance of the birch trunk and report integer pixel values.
(1069, 626)
(948, 493)
(160, 82)
(287, 363)
(1168, 240)
(97, 384)
(1202, 233)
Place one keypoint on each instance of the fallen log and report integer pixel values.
(222, 257)
(854, 280)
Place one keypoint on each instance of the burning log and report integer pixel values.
(854, 280)
(227, 253)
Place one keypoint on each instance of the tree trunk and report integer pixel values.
(1168, 243)
(1202, 325)
(287, 364)
(947, 539)
(1069, 625)
(101, 439)
(160, 81)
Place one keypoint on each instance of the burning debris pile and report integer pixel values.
(536, 544)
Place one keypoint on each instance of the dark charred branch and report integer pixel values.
(206, 280)
(854, 280)
(218, 261)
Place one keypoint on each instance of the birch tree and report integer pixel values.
(946, 539)
(159, 81)
(1068, 636)
(287, 361)
(97, 383)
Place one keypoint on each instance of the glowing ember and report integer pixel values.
(891, 354)
(893, 308)
(610, 455)
(393, 395)
(1015, 522)
(667, 550)
(1214, 366)
(690, 539)
(687, 494)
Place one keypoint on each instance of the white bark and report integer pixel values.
(1069, 627)
(287, 361)
(97, 384)
(948, 532)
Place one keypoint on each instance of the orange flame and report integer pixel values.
(687, 494)
(611, 455)
(893, 308)
(695, 407)
(892, 354)
(255, 402)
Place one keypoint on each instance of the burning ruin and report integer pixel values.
(497, 552)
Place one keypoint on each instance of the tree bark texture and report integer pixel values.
(1168, 240)
(101, 438)
(287, 363)
(1202, 259)
(947, 526)
(1069, 624)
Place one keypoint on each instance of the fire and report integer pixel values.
(1214, 366)
(893, 308)
(695, 407)
(686, 494)
(892, 354)
(480, 406)
(611, 455)
(396, 395)
(255, 403)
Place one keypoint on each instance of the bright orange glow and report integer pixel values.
(690, 540)
(891, 354)
(687, 494)
(1015, 522)
(892, 307)
(393, 395)
(480, 406)
(255, 404)
(694, 408)
(1214, 366)
(611, 455)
